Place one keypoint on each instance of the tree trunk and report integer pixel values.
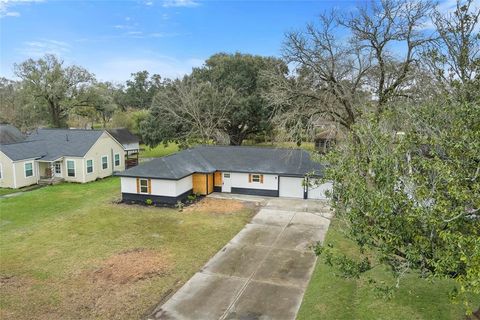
(236, 139)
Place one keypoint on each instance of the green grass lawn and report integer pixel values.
(158, 151)
(332, 297)
(4, 191)
(69, 251)
(161, 150)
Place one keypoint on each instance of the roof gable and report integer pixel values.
(10, 134)
(123, 135)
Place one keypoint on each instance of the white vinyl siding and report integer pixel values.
(71, 168)
(318, 192)
(241, 180)
(28, 169)
(159, 187)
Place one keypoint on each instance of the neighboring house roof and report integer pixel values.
(288, 162)
(24, 150)
(52, 144)
(123, 135)
(10, 134)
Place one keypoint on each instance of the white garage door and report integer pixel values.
(291, 187)
(318, 192)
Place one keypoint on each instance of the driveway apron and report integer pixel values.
(262, 273)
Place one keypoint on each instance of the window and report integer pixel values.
(89, 166)
(104, 162)
(117, 160)
(226, 175)
(58, 167)
(1, 173)
(143, 185)
(28, 169)
(70, 168)
(257, 178)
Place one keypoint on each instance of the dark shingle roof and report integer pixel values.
(10, 134)
(123, 136)
(51, 144)
(24, 150)
(288, 162)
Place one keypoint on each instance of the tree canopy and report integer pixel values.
(56, 87)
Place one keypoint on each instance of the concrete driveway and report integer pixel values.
(262, 273)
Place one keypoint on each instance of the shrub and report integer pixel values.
(179, 206)
(149, 202)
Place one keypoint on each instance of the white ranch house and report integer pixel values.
(242, 170)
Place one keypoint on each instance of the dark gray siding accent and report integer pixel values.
(140, 198)
(255, 192)
(217, 189)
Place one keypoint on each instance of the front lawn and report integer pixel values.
(70, 252)
(333, 297)
(158, 151)
(4, 191)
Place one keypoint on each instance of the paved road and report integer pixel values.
(262, 273)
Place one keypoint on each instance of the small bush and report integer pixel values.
(149, 202)
(192, 197)
(179, 206)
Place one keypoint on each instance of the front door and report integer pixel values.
(226, 183)
(57, 169)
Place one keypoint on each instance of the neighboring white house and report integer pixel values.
(49, 155)
(131, 145)
(242, 170)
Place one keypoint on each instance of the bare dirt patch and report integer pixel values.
(131, 266)
(115, 285)
(220, 206)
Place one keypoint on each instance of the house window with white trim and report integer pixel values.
(71, 168)
(58, 167)
(28, 169)
(117, 159)
(143, 185)
(1, 172)
(105, 162)
(89, 166)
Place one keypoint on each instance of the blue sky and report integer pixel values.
(115, 38)
(112, 39)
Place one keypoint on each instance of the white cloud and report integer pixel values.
(5, 6)
(180, 3)
(120, 69)
(38, 48)
(12, 14)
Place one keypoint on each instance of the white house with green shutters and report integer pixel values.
(50, 155)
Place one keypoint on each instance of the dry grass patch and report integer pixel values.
(132, 265)
(218, 206)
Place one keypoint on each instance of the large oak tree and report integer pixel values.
(53, 85)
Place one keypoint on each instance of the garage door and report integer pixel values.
(318, 192)
(291, 187)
